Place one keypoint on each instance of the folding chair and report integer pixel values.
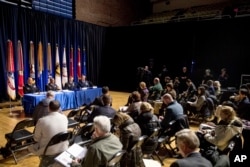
(46, 160)
(115, 159)
(139, 142)
(72, 123)
(20, 137)
(83, 135)
(82, 117)
(167, 137)
(153, 144)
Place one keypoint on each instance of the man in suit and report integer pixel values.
(45, 129)
(42, 108)
(188, 144)
(173, 110)
(84, 83)
(99, 100)
(106, 109)
(30, 86)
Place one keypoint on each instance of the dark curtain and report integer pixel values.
(27, 25)
(213, 44)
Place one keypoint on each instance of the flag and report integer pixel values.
(79, 69)
(58, 80)
(84, 62)
(40, 65)
(20, 69)
(49, 63)
(71, 63)
(64, 68)
(10, 71)
(32, 60)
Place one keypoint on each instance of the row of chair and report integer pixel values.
(21, 137)
(22, 134)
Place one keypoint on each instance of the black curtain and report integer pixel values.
(213, 44)
(28, 25)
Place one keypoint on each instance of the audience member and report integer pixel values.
(226, 129)
(184, 75)
(42, 108)
(45, 129)
(52, 85)
(129, 132)
(84, 83)
(134, 106)
(172, 111)
(189, 92)
(147, 76)
(164, 72)
(223, 78)
(30, 86)
(155, 91)
(143, 90)
(166, 80)
(176, 87)
(243, 105)
(70, 85)
(188, 144)
(103, 146)
(99, 100)
(147, 120)
(169, 88)
(217, 88)
(207, 76)
(194, 107)
(210, 88)
(106, 109)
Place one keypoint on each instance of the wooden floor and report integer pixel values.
(8, 121)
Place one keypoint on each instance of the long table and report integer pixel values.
(68, 99)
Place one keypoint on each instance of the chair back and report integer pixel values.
(116, 158)
(83, 135)
(151, 143)
(87, 130)
(139, 142)
(176, 125)
(58, 138)
(73, 112)
(235, 145)
(26, 123)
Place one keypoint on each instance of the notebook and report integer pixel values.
(73, 152)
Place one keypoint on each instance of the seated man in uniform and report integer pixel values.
(30, 86)
(52, 85)
(70, 85)
(83, 82)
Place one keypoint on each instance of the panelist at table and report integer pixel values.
(84, 83)
(52, 85)
(70, 85)
(30, 86)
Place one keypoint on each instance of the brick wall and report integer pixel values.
(109, 12)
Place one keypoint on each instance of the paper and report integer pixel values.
(205, 126)
(123, 108)
(73, 152)
(151, 163)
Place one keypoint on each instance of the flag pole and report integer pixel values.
(10, 74)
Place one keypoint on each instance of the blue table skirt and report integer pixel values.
(68, 99)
